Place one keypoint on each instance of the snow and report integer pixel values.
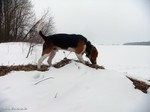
(15, 54)
(133, 60)
(75, 87)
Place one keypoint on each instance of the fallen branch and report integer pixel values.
(43, 80)
(56, 95)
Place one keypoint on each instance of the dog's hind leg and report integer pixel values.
(51, 56)
(47, 49)
(41, 60)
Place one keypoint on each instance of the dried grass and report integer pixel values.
(139, 84)
(6, 69)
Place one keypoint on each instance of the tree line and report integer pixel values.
(18, 21)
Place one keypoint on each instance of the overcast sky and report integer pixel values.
(101, 21)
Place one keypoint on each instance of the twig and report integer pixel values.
(43, 80)
(30, 48)
(32, 28)
(56, 95)
(66, 56)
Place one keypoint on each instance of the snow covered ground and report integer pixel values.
(134, 60)
(75, 87)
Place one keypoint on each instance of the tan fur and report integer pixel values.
(80, 47)
(49, 49)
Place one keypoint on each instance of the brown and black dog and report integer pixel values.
(70, 42)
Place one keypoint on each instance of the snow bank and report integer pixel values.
(15, 53)
(73, 88)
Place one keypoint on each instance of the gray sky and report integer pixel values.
(101, 21)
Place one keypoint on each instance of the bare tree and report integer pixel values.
(18, 21)
(46, 24)
(15, 18)
(1, 30)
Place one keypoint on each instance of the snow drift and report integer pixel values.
(72, 88)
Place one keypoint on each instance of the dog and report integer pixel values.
(70, 42)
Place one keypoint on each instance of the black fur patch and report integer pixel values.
(65, 41)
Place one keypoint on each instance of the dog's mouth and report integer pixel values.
(93, 62)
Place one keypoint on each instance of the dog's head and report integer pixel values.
(91, 53)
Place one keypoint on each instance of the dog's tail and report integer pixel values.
(42, 35)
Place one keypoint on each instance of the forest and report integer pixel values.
(18, 22)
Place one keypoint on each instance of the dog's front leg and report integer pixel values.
(41, 60)
(79, 56)
(51, 56)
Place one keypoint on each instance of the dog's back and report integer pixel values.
(64, 41)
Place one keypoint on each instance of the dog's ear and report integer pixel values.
(93, 55)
